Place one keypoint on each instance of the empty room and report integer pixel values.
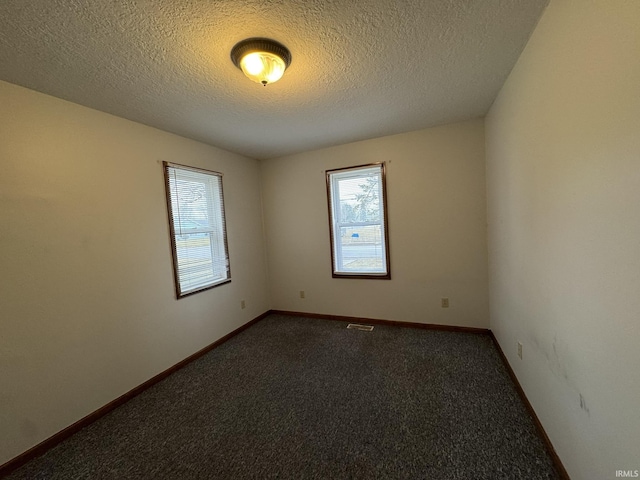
(320, 239)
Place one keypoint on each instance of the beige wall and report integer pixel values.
(87, 303)
(563, 172)
(437, 229)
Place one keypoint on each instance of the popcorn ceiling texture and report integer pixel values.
(360, 69)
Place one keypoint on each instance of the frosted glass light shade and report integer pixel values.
(261, 59)
(263, 67)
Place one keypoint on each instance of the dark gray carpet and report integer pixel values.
(302, 398)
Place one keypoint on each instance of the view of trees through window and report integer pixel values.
(363, 205)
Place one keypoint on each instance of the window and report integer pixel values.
(198, 232)
(358, 218)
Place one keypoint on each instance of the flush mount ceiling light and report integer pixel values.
(261, 59)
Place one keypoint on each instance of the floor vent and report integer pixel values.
(364, 328)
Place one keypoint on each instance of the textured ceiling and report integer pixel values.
(361, 69)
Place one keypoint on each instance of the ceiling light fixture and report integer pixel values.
(261, 59)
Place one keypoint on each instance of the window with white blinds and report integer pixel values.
(358, 220)
(198, 231)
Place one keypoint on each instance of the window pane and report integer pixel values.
(362, 249)
(359, 199)
(195, 261)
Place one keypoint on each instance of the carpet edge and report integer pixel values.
(48, 443)
(391, 323)
(557, 462)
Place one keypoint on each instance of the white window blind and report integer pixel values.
(357, 211)
(198, 231)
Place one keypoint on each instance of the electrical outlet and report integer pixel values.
(520, 350)
(242, 304)
(445, 302)
(302, 294)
